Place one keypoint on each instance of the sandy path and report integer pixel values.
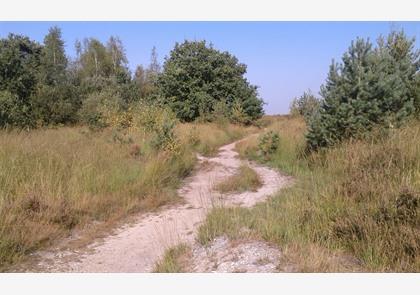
(136, 247)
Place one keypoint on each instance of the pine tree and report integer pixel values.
(53, 58)
(152, 73)
(371, 87)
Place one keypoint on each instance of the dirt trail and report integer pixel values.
(137, 247)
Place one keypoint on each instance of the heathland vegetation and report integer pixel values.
(355, 154)
(85, 140)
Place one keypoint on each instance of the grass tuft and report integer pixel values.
(246, 179)
(174, 260)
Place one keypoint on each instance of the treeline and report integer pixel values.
(373, 86)
(41, 86)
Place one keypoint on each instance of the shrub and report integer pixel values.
(306, 105)
(238, 114)
(221, 112)
(13, 112)
(268, 144)
(99, 108)
(164, 135)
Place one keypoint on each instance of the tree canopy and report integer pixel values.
(196, 76)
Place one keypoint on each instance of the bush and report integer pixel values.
(99, 108)
(158, 121)
(306, 105)
(55, 104)
(221, 112)
(164, 135)
(13, 112)
(268, 144)
(238, 114)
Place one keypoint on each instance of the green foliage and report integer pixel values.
(268, 144)
(417, 94)
(372, 86)
(221, 112)
(196, 76)
(98, 109)
(53, 62)
(158, 121)
(13, 112)
(306, 105)
(55, 104)
(164, 135)
(19, 60)
(145, 79)
(238, 114)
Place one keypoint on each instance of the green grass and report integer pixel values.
(246, 179)
(173, 260)
(359, 200)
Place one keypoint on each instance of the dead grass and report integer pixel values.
(246, 179)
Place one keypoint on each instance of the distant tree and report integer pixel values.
(150, 75)
(55, 99)
(119, 60)
(53, 58)
(100, 67)
(306, 105)
(95, 59)
(196, 76)
(140, 80)
(154, 67)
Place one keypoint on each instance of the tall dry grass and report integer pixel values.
(356, 204)
(54, 180)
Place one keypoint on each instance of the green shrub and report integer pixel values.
(164, 135)
(268, 144)
(238, 114)
(99, 108)
(306, 105)
(13, 112)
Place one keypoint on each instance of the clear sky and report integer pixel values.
(283, 58)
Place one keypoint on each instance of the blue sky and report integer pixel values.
(283, 58)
